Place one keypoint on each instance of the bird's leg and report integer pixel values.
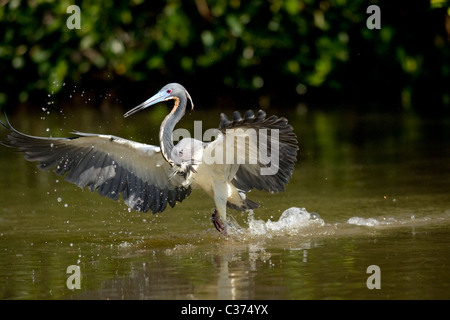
(217, 222)
(220, 199)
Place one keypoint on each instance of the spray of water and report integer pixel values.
(292, 221)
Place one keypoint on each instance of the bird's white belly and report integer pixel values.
(207, 176)
(215, 182)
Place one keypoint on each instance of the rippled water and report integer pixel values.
(368, 190)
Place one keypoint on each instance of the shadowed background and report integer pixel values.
(230, 53)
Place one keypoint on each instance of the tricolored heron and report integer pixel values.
(150, 177)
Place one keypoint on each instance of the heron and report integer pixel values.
(149, 177)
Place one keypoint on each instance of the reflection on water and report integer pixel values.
(378, 184)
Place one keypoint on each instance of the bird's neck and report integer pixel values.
(166, 129)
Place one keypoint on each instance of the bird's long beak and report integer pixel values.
(160, 96)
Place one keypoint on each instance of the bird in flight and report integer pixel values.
(149, 177)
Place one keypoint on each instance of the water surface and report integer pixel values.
(378, 182)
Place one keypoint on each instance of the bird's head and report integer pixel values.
(170, 91)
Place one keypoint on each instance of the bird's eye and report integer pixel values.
(169, 90)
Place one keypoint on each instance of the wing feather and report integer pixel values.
(247, 155)
(109, 164)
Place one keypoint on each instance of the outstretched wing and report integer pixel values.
(108, 164)
(261, 152)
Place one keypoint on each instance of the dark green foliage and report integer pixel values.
(308, 50)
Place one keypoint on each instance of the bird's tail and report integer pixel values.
(246, 205)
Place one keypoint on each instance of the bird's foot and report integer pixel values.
(218, 223)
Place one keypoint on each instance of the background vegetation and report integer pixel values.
(265, 51)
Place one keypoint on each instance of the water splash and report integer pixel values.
(372, 222)
(291, 222)
(368, 222)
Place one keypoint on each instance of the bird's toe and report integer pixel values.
(218, 223)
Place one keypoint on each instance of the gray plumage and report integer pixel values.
(249, 152)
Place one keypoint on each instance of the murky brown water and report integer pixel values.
(380, 183)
